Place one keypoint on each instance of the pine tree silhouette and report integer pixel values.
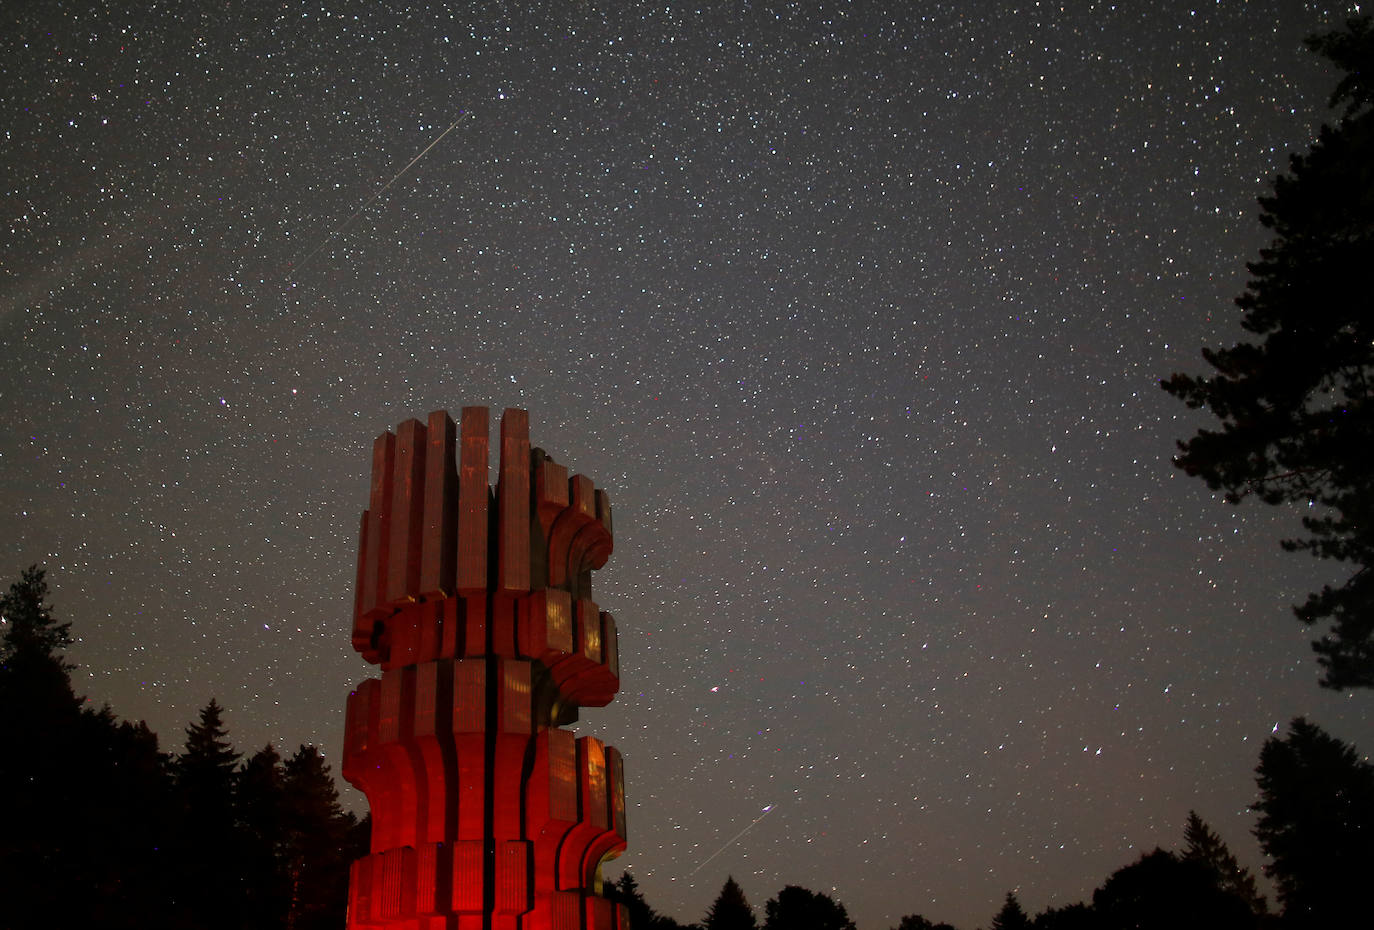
(730, 910)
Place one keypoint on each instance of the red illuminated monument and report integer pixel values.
(486, 814)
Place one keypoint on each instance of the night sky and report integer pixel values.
(857, 314)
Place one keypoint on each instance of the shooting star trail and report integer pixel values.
(373, 199)
(732, 840)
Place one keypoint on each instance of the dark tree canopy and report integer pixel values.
(797, 908)
(85, 796)
(1203, 846)
(106, 830)
(642, 916)
(31, 659)
(205, 838)
(103, 829)
(316, 834)
(730, 910)
(1070, 917)
(260, 800)
(1161, 891)
(30, 627)
(917, 922)
(1316, 824)
(626, 891)
(206, 776)
(1294, 402)
(1011, 916)
(209, 756)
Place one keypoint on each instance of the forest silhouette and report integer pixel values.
(104, 829)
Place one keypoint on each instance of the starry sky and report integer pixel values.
(857, 312)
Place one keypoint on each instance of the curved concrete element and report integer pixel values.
(477, 604)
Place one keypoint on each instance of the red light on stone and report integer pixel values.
(486, 813)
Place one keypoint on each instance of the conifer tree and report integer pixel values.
(129, 822)
(206, 775)
(1316, 824)
(260, 802)
(86, 796)
(41, 775)
(1296, 405)
(29, 624)
(209, 889)
(625, 890)
(730, 910)
(316, 837)
(1011, 916)
(1206, 847)
(33, 668)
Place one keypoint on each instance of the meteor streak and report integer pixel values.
(371, 200)
(732, 840)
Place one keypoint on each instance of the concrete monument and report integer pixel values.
(477, 605)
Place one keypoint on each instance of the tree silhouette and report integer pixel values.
(917, 922)
(1297, 421)
(1161, 891)
(797, 908)
(625, 890)
(29, 624)
(32, 666)
(260, 801)
(730, 910)
(86, 796)
(1316, 824)
(102, 829)
(1011, 916)
(1070, 917)
(41, 776)
(317, 833)
(126, 808)
(205, 774)
(1205, 847)
(208, 889)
